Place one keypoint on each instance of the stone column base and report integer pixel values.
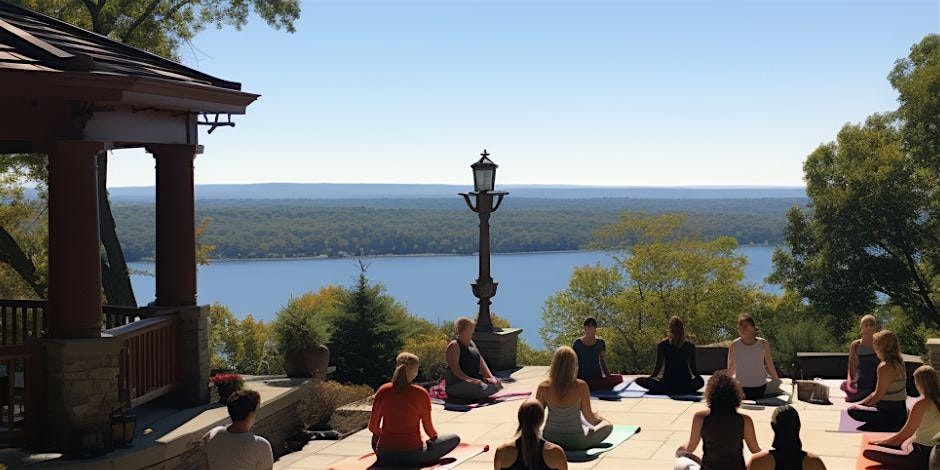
(499, 347)
(933, 349)
(194, 355)
(81, 392)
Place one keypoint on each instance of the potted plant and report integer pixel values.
(226, 384)
(300, 340)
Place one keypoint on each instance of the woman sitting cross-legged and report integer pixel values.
(923, 425)
(571, 422)
(467, 377)
(721, 429)
(890, 395)
(592, 364)
(863, 362)
(750, 361)
(397, 410)
(680, 375)
(529, 451)
(787, 452)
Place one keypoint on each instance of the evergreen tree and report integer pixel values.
(366, 335)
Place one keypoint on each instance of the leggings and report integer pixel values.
(888, 417)
(919, 458)
(429, 454)
(604, 383)
(580, 440)
(663, 387)
(466, 391)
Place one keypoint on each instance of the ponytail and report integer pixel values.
(403, 362)
(531, 414)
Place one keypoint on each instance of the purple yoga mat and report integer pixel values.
(847, 423)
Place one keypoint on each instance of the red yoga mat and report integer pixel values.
(863, 463)
(461, 454)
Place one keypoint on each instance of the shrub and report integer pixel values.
(245, 346)
(297, 326)
(323, 398)
(430, 348)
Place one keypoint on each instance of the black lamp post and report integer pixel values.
(484, 178)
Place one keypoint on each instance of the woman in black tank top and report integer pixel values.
(787, 452)
(529, 451)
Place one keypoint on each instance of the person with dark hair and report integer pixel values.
(592, 363)
(467, 376)
(236, 447)
(528, 450)
(922, 427)
(750, 360)
(678, 355)
(721, 429)
(399, 407)
(889, 398)
(787, 452)
(571, 422)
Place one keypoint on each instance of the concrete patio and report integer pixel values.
(665, 426)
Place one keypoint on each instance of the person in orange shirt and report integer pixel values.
(397, 410)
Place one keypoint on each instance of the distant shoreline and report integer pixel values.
(415, 255)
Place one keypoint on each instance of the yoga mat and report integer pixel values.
(494, 399)
(618, 436)
(779, 400)
(634, 390)
(863, 463)
(461, 454)
(847, 423)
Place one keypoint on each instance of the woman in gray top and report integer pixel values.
(467, 377)
(567, 399)
(750, 361)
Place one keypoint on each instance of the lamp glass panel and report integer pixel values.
(483, 179)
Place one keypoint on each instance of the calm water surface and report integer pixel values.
(434, 287)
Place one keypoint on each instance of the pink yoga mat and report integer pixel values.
(461, 454)
(498, 398)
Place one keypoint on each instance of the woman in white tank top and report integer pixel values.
(750, 361)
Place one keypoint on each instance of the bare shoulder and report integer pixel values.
(505, 455)
(761, 461)
(813, 462)
(553, 455)
(702, 413)
(747, 419)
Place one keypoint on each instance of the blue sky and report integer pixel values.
(592, 93)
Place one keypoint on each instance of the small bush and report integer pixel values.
(297, 326)
(526, 355)
(323, 398)
(430, 349)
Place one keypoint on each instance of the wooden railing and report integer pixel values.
(21, 320)
(150, 359)
(21, 392)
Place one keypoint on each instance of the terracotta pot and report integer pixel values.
(310, 362)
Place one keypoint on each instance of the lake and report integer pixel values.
(434, 287)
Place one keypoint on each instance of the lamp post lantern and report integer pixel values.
(484, 178)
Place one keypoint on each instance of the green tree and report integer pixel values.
(158, 26)
(366, 336)
(245, 346)
(662, 270)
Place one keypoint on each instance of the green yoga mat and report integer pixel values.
(618, 436)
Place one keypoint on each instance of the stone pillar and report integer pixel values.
(933, 349)
(498, 348)
(194, 347)
(74, 243)
(176, 225)
(81, 391)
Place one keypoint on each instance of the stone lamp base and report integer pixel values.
(499, 347)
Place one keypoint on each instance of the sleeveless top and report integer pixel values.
(589, 358)
(539, 463)
(788, 460)
(723, 442)
(749, 363)
(563, 419)
(866, 372)
(676, 361)
(469, 362)
(897, 390)
(929, 427)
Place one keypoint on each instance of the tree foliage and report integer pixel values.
(662, 271)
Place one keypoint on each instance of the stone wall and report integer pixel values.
(194, 345)
(933, 349)
(81, 392)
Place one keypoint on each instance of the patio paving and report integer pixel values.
(664, 423)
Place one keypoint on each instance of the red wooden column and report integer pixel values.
(176, 225)
(74, 243)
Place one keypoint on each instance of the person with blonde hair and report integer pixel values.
(922, 427)
(399, 407)
(528, 450)
(750, 361)
(467, 376)
(890, 394)
(862, 362)
(571, 422)
(680, 375)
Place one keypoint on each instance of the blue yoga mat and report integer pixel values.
(618, 436)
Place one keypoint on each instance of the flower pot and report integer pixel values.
(310, 362)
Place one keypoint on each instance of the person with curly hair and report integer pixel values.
(885, 409)
(721, 429)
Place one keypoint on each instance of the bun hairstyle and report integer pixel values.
(676, 331)
(403, 362)
(531, 415)
(929, 381)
